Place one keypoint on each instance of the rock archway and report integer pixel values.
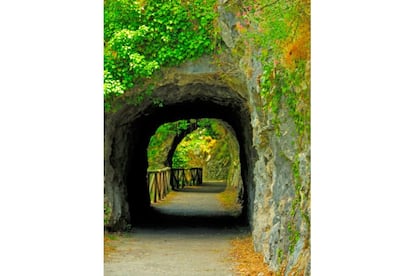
(275, 168)
(127, 133)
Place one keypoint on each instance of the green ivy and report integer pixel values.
(210, 126)
(141, 36)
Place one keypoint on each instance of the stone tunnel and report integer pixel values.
(275, 171)
(127, 134)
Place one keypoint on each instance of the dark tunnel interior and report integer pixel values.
(231, 110)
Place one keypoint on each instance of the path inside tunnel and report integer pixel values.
(189, 233)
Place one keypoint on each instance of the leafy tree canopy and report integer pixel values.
(208, 131)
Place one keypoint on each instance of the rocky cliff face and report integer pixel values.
(281, 216)
(274, 158)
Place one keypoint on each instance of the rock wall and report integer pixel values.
(281, 216)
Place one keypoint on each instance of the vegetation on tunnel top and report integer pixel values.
(142, 35)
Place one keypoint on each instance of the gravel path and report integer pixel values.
(189, 234)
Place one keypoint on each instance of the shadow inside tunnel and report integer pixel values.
(193, 210)
(206, 187)
(160, 220)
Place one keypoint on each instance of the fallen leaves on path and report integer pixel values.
(108, 245)
(247, 261)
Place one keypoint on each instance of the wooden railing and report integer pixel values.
(186, 177)
(161, 182)
(158, 183)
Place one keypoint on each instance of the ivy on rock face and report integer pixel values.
(142, 35)
(281, 30)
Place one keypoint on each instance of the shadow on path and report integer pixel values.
(206, 187)
(187, 234)
(193, 206)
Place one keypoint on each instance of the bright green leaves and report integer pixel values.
(177, 28)
(181, 125)
(123, 56)
(112, 89)
(111, 86)
(141, 36)
(140, 66)
(120, 14)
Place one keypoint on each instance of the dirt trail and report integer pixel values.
(189, 234)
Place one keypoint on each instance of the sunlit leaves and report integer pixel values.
(194, 150)
(141, 36)
(111, 86)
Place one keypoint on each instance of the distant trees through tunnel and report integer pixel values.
(206, 143)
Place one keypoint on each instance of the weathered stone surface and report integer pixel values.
(227, 24)
(274, 181)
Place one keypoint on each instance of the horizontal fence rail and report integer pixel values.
(186, 177)
(161, 182)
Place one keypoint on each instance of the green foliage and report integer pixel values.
(112, 89)
(181, 126)
(210, 126)
(209, 131)
(162, 139)
(157, 144)
(141, 36)
(111, 85)
(209, 147)
(123, 58)
(281, 30)
(193, 150)
(180, 157)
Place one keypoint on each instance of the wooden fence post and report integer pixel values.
(161, 182)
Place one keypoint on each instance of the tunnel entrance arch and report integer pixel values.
(128, 131)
